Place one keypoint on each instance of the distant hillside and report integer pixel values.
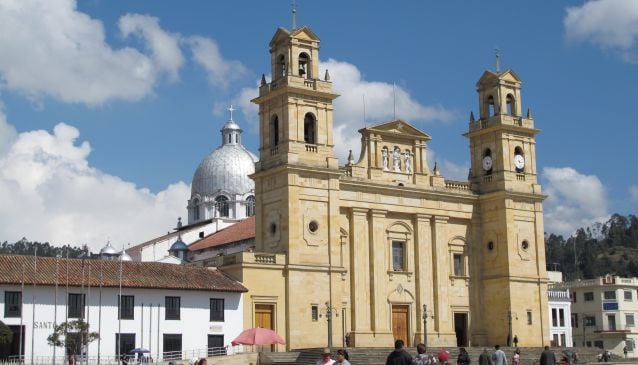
(25, 247)
(611, 248)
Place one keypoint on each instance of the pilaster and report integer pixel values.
(378, 262)
(423, 267)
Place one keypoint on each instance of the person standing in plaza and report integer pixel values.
(516, 358)
(463, 358)
(342, 357)
(325, 358)
(498, 357)
(547, 357)
(399, 356)
(421, 357)
(485, 358)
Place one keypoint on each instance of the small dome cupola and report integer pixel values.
(124, 256)
(108, 252)
(231, 132)
(179, 248)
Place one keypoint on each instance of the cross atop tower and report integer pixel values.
(231, 110)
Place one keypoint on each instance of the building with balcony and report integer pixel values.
(604, 313)
(559, 301)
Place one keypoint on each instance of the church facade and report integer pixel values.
(385, 247)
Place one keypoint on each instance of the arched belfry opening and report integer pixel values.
(511, 104)
(304, 66)
(491, 107)
(274, 130)
(282, 66)
(309, 128)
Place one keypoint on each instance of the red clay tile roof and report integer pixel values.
(150, 275)
(239, 231)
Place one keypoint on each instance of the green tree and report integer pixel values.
(6, 336)
(75, 334)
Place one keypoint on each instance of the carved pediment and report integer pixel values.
(399, 128)
(491, 77)
(304, 33)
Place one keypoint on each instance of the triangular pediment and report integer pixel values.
(304, 33)
(281, 34)
(489, 77)
(399, 127)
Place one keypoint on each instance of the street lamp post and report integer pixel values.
(330, 310)
(426, 314)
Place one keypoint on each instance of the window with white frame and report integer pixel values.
(609, 295)
(629, 296)
(629, 320)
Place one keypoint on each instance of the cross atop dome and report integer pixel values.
(231, 110)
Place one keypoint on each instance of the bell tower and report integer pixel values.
(509, 230)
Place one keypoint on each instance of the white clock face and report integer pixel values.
(519, 162)
(487, 163)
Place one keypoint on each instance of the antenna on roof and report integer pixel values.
(497, 54)
(294, 15)
(394, 100)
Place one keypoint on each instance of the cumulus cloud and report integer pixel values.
(220, 70)
(49, 192)
(609, 24)
(448, 169)
(574, 200)
(163, 45)
(633, 192)
(7, 133)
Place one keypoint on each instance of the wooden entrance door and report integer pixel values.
(264, 318)
(400, 323)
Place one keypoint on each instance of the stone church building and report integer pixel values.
(372, 250)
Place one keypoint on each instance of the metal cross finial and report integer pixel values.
(231, 110)
(498, 59)
(294, 15)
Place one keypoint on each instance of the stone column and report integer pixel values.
(441, 272)
(423, 266)
(359, 271)
(379, 270)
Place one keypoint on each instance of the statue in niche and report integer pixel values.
(396, 159)
(408, 161)
(384, 153)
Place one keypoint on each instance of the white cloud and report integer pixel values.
(164, 46)
(220, 71)
(609, 24)
(49, 192)
(7, 133)
(574, 200)
(633, 192)
(448, 169)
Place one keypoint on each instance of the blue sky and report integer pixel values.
(109, 106)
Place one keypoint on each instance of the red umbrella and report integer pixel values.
(258, 336)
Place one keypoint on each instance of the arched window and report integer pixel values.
(195, 204)
(222, 205)
(491, 109)
(511, 107)
(309, 123)
(282, 66)
(304, 62)
(274, 130)
(250, 206)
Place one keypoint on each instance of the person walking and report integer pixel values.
(515, 341)
(443, 356)
(399, 356)
(342, 357)
(516, 358)
(463, 358)
(325, 358)
(547, 357)
(485, 358)
(498, 357)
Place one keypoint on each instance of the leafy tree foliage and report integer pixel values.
(75, 334)
(5, 334)
(25, 247)
(595, 251)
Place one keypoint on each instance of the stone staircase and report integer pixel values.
(377, 356)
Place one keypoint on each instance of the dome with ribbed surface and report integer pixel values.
(227, 168)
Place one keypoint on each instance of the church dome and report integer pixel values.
(226, 168)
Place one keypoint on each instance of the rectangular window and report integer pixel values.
(172, 305)
(588, 297)
(398, 257)
(172, 346)
(12, 304)
(216, 310)
(628, 296)
(610, 295)
(126, 344)
(554, 318)
(590, 321)
(529, 317)
(598, 344)
(314, 313)
(575, 320)
(574, 296)
(216, 345)
(458, 265)
(629, 320)
(561, 317)
(127, 304)
(76, 305)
